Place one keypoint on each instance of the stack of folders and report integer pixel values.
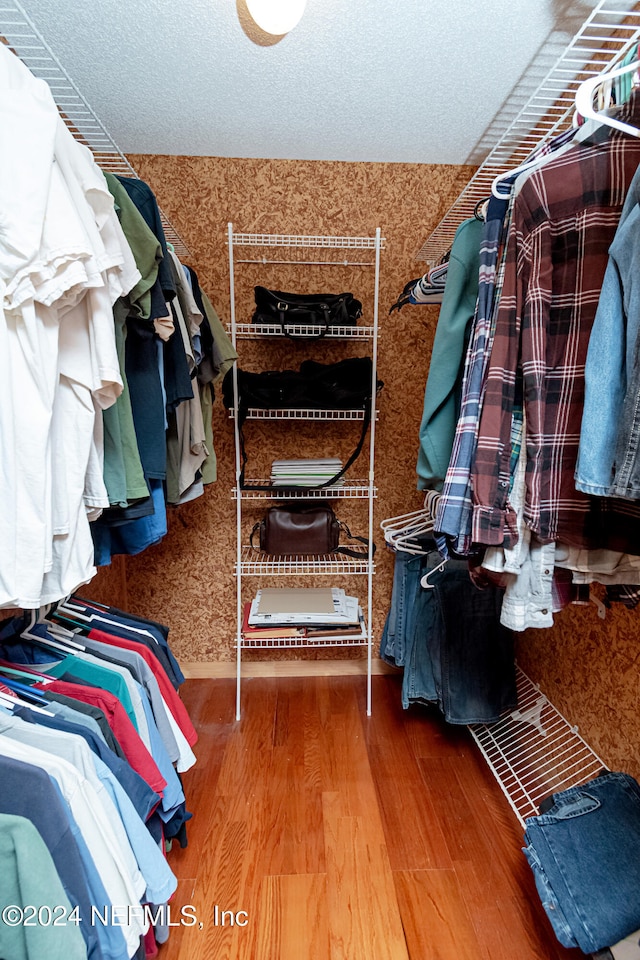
(302, 612)
(304, 473)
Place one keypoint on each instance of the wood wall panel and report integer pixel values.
(589, 668)
(187, 580)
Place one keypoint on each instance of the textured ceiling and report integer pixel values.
(415, 81)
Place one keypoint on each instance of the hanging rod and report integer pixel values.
(543, 114)
(24, 38)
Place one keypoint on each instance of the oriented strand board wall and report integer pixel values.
(589, 668)
(188, 579)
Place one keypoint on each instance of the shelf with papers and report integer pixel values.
(354, 490)
(257, 564)
(258, 331)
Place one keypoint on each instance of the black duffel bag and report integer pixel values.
(345, 385)
(323, 310)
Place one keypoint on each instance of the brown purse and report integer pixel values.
(289, 529)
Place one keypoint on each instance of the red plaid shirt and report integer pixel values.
(564, 220)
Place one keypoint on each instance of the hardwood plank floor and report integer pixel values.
(319, 833)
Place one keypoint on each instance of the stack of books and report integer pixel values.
(300, 612)
(305, 473)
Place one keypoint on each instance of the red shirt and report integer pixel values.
(169, 695)
(126, 734)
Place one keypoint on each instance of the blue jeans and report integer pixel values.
(450, 641)
(407, 571)
(585, 856)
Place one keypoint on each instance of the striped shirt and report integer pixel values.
(564, 220)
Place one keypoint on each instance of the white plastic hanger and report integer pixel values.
(425, 582)
(584, 99)
(403, 532)
(67, 646)
(10, 701)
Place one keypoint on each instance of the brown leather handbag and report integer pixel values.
(303, 529)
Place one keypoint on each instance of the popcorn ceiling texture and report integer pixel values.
(588, 668)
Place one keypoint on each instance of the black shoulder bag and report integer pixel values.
(345, 385)
(323, 310)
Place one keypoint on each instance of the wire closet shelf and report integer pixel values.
(256, 331)
(603, 40)
(534, 751)
(354, 489)
(22, 36)
(253, 564)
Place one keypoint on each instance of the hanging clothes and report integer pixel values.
(442, 392)
(564, 220)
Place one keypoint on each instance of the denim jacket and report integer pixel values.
(608, 464)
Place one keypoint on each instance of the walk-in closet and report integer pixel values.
(320, 522)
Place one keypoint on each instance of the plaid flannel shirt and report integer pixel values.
(455, 510)
(455, 507)
(564, 220)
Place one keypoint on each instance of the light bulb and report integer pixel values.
(276, 16)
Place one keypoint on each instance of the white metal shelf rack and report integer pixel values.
(603, 40)
(281, 249)
(256, 331)
(354, 490)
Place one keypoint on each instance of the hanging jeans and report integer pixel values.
(585, 855)
(450, 641)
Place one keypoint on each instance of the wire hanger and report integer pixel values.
(584, 99)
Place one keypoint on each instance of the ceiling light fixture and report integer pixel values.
(276, 16)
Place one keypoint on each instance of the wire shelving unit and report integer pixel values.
(250, 562)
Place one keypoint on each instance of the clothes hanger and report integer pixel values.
(406, 532)
(67, 647)
(24, 693)
(584, 99)
(425, 582)
(16, 701)
(515, 172)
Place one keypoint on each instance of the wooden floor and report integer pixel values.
(321, 834)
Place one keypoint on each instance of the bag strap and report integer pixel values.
(353, 553)
(292, 336)
(256, 527)
(293, 488)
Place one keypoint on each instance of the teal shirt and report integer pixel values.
(442, 393)
(96, 676)
(28, 878)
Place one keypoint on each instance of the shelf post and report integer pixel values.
(236, 430)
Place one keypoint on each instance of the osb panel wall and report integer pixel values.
(109, 585)
(590, 670)
(187, 580)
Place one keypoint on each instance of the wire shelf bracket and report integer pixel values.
(603, 40)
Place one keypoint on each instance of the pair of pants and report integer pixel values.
(450, 641)
(585, 855)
